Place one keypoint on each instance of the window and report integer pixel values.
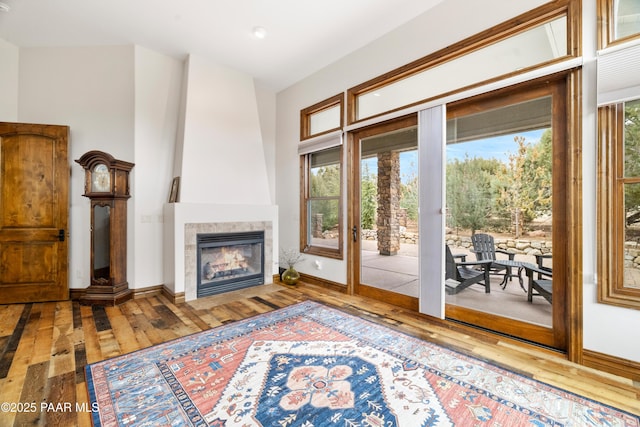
(544, 36)
(321, 177)
(321, 203)
(620, 20)
(322, 118)
(619, 204)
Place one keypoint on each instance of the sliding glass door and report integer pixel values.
(505, 161)
(487, 185)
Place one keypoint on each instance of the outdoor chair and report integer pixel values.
(540, 282)
(485, 249)
(461, 275)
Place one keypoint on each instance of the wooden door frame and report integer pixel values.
(566, 334)
(354, 287)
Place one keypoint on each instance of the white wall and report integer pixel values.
(223, 159)
(90, 90)
(448, 23)
(266, 100)
(9, 55)
(158, 83)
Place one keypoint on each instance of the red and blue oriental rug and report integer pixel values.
(311, 365)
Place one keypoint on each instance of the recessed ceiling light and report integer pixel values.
(259, 32)
(4, 7)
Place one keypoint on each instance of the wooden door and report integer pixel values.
(380, 271)
(34, 200)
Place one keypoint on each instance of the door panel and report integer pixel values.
(34, 180)
(380, 265)
(506, 177)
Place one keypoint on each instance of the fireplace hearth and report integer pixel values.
(229, 261)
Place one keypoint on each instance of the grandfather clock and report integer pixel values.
(107, 186)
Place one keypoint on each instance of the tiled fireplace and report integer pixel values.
(184, 222)
(224, 280)
(229, 261)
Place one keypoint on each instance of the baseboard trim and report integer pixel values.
(76, 294)
(335, 286)
(312, 280)
(179, 298)
(611, 364)
(147, 292)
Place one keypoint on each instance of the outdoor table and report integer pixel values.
(510, 265)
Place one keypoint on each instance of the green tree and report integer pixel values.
(469, 192)
(632, 160)
(409, 197)
(325, 191)
(368, 198)
(409, 186)
(537, 176)
(525, 185)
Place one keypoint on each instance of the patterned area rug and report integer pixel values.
(310, 365)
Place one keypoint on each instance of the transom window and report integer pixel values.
(620, 20)
(322, 118)
(514, 50)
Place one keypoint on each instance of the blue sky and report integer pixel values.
(489, 148)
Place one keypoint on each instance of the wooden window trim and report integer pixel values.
(306, 113)
(519, 24)
(606, 26)
(610, 220)
(605, 23)
(304, 213)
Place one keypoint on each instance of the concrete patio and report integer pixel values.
(399, 273)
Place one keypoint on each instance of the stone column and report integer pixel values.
(316, 226)
(388, 203)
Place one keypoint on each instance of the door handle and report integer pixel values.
(61, 235)
(354, 230)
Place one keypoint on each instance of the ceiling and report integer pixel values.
(303, 36)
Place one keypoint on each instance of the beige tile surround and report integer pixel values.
(191, 231)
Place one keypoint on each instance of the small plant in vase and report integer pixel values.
(290, 258)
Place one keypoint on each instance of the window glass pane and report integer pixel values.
(632, 139)
(499, 183)
(535, 46)
(324, 120)
(627, 18)
(632, 236)
(324, 175)
(323, 223)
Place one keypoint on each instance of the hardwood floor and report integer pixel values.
(45, 346)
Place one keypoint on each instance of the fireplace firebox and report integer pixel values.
(229, 261)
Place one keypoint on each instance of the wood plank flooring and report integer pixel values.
(45, 346)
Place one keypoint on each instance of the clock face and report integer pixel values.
(100, 179)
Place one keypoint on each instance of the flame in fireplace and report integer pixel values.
(227, 260)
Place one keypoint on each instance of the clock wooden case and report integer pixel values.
(107, 187)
